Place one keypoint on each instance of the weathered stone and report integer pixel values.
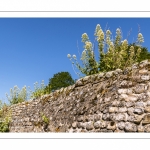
(80, 118)
(147, 109)
(107, 99)
(105, 116)
(143, 63)
(140, 128)
(122, 109)
(74, 125)
(121, 117)
(122, 91)
(146, 119)
(143, 71)
(129, 104)
(127, 98)
(117, 71)
(121, 125)
(109, 74)
(119, 131)
(97, 125)
(125, 91)
(147, 128)
(79, 124)
(130, 127)
(87, 78)
(148, 103)
(78, 83)
(113, 109)
(123, 97)
(112, 116)
(125, 84)
(138, 111)
(139, 104)
(97, 117)
(106, 131)
(100, 75)
(103, 124)
(145, 77)
(111, 125)
(106, 110)
(140, 88)
(138, 118)
(115, 103)
(89, 126)
(132, 97)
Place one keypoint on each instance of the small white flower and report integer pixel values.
(98, 27)
(85, 37)
(68, 55)
(140, 38)
(108, 32)
(74, 56)
(118, 31)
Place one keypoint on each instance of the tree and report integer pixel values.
(59, 80)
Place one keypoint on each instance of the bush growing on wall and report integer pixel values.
(5, 117)
(17, 95)
(113, 54)
(40, 90)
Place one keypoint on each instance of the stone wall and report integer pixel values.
(116, 101)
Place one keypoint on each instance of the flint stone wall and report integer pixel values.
(116, 101)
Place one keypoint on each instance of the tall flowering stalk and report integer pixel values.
(113, 54)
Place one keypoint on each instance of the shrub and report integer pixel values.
(40, 90)
(17, 95)
(45, 119)
(113, 54)
(5, 118)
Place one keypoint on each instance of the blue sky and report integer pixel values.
(34, 49)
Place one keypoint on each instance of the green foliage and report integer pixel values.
(17, 95)
(113, 54)
(5, 118)
(4, 124)
(40, 90)
(45, 119)
(144, 52)
(59, 80)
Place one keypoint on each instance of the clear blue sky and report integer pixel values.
(34, 49)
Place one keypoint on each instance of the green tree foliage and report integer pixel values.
(113, 54)
(59, 80)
